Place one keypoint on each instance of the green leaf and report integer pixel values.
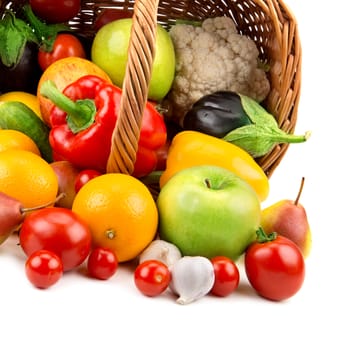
(14, 34)
(252, 138)
(260, 137)
(14, 45)
(257, 113)
(45, 33)
(26, 29)
(258, 140)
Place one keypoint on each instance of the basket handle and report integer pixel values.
(141, 54)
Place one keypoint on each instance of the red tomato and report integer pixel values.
(162, 156)
(102, 263)
(83, 177)
(152, 277)
(226, 276)
(275, 267)
(55, 11)
(59, 230)
(109, 15)
(43, 268)
(146, 161)
(65, 45)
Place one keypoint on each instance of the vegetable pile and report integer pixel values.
(210, 123)
(213, 57)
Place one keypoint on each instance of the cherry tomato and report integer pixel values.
(65, 45)
(102, 263)
(152, 277)
(226, 276)
(83, 177)
(55, 11)
(59, 230)
(43, 268)
(274, 266)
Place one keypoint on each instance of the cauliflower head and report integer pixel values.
(210, 58)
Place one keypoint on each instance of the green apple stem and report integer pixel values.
(262, 236)
(207, 182)
(300, 190)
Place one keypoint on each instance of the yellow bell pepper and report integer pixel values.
(191, 148)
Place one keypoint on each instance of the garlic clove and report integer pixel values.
(192, 277)
(161, 250)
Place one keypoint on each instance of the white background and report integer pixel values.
(79, 312)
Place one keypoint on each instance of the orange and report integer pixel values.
(121, 213)
(28, 99)
(14, 139)
(27, 177)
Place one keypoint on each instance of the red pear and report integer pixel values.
(12, 214)
(66, 173)
(289, 218)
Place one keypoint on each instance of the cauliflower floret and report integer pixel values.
(210, 58)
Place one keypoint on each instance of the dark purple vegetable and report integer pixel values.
(238, 119)
(21, 35)
(25, 75)
(216, 114)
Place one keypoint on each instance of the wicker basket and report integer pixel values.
(269, 23)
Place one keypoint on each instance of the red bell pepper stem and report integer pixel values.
(80, 114)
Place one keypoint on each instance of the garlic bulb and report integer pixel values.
(192, 277)
(162, 251)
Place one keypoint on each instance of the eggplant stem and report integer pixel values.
(290, 138)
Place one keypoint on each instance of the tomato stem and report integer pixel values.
(45, 33)
(263, 237)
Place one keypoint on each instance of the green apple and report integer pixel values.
(110, 52)
(208, 211)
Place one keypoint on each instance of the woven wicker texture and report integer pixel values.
(269, 23)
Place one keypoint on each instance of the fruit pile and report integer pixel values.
(68, 211)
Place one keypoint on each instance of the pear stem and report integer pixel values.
(300, 191)
(25, 210)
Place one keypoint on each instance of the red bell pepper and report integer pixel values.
(83, 121)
